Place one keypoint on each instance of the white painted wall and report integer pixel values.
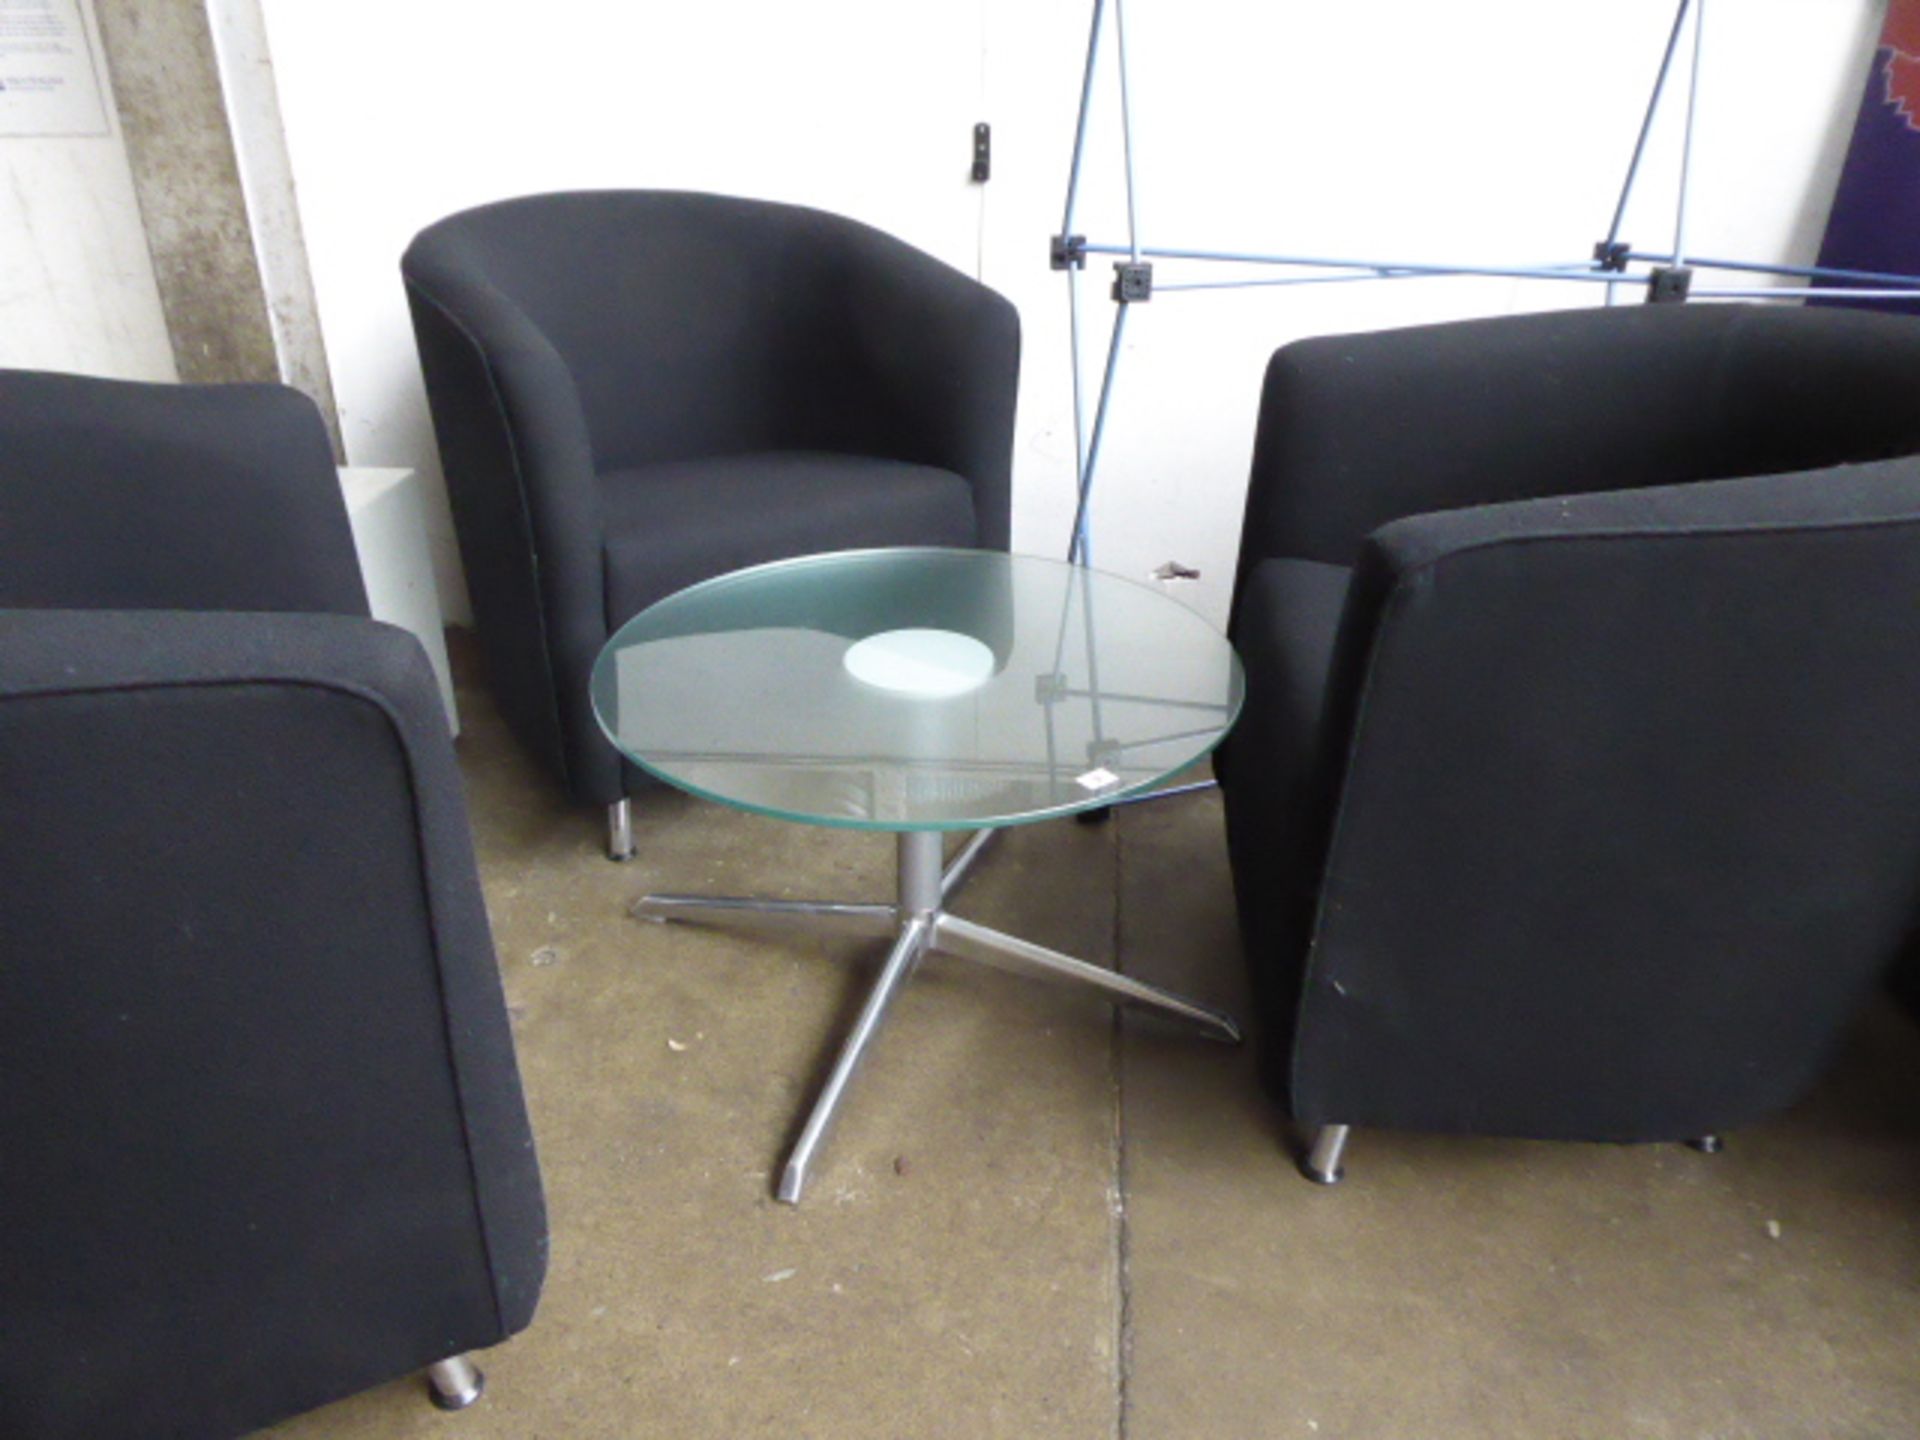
(77, 290)
(1479, 131)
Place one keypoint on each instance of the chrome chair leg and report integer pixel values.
(1323, 1165)
(455, 1383)
(620, 830)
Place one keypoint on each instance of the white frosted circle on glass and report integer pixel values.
(927, 664)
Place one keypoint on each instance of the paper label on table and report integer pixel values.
(1098, 779)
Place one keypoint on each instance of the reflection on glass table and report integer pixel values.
(916, 691)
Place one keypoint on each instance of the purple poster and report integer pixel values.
(1875, 225)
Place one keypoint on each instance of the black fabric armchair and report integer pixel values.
(1577, 794)
(634, 391)
(262, 1140)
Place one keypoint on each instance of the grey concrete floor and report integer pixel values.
(1036, 1220)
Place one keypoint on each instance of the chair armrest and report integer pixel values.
(1606, 561)
(1837, 497)
(47, 654)
(1622, 779)
(519, 459)
(293, 851)
(943, 351)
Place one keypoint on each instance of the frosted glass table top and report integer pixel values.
(916, 689)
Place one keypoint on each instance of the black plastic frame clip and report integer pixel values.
(1669, 284)
(1132, 280)
(1068, 252)
(1612, 255)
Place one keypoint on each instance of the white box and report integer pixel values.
(389, 518)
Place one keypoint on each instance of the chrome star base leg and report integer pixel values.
(920, 925)
(1322, 1165)
(963, 862)
(905, 955)
(455, 1384)
(954, 936)
(864, 920)
(620, 830)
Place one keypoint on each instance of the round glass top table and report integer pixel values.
(916, 691)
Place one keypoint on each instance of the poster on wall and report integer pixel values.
(1875, 224)
(48, 82)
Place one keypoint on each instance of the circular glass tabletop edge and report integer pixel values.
(1064, 811)
(1100, 800)
(825, 557)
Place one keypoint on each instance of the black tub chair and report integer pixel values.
(262, 1141)
(633, 391)
(1577, 794)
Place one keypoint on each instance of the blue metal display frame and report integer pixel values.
(1668, 277)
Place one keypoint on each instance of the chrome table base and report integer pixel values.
(920, 925)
